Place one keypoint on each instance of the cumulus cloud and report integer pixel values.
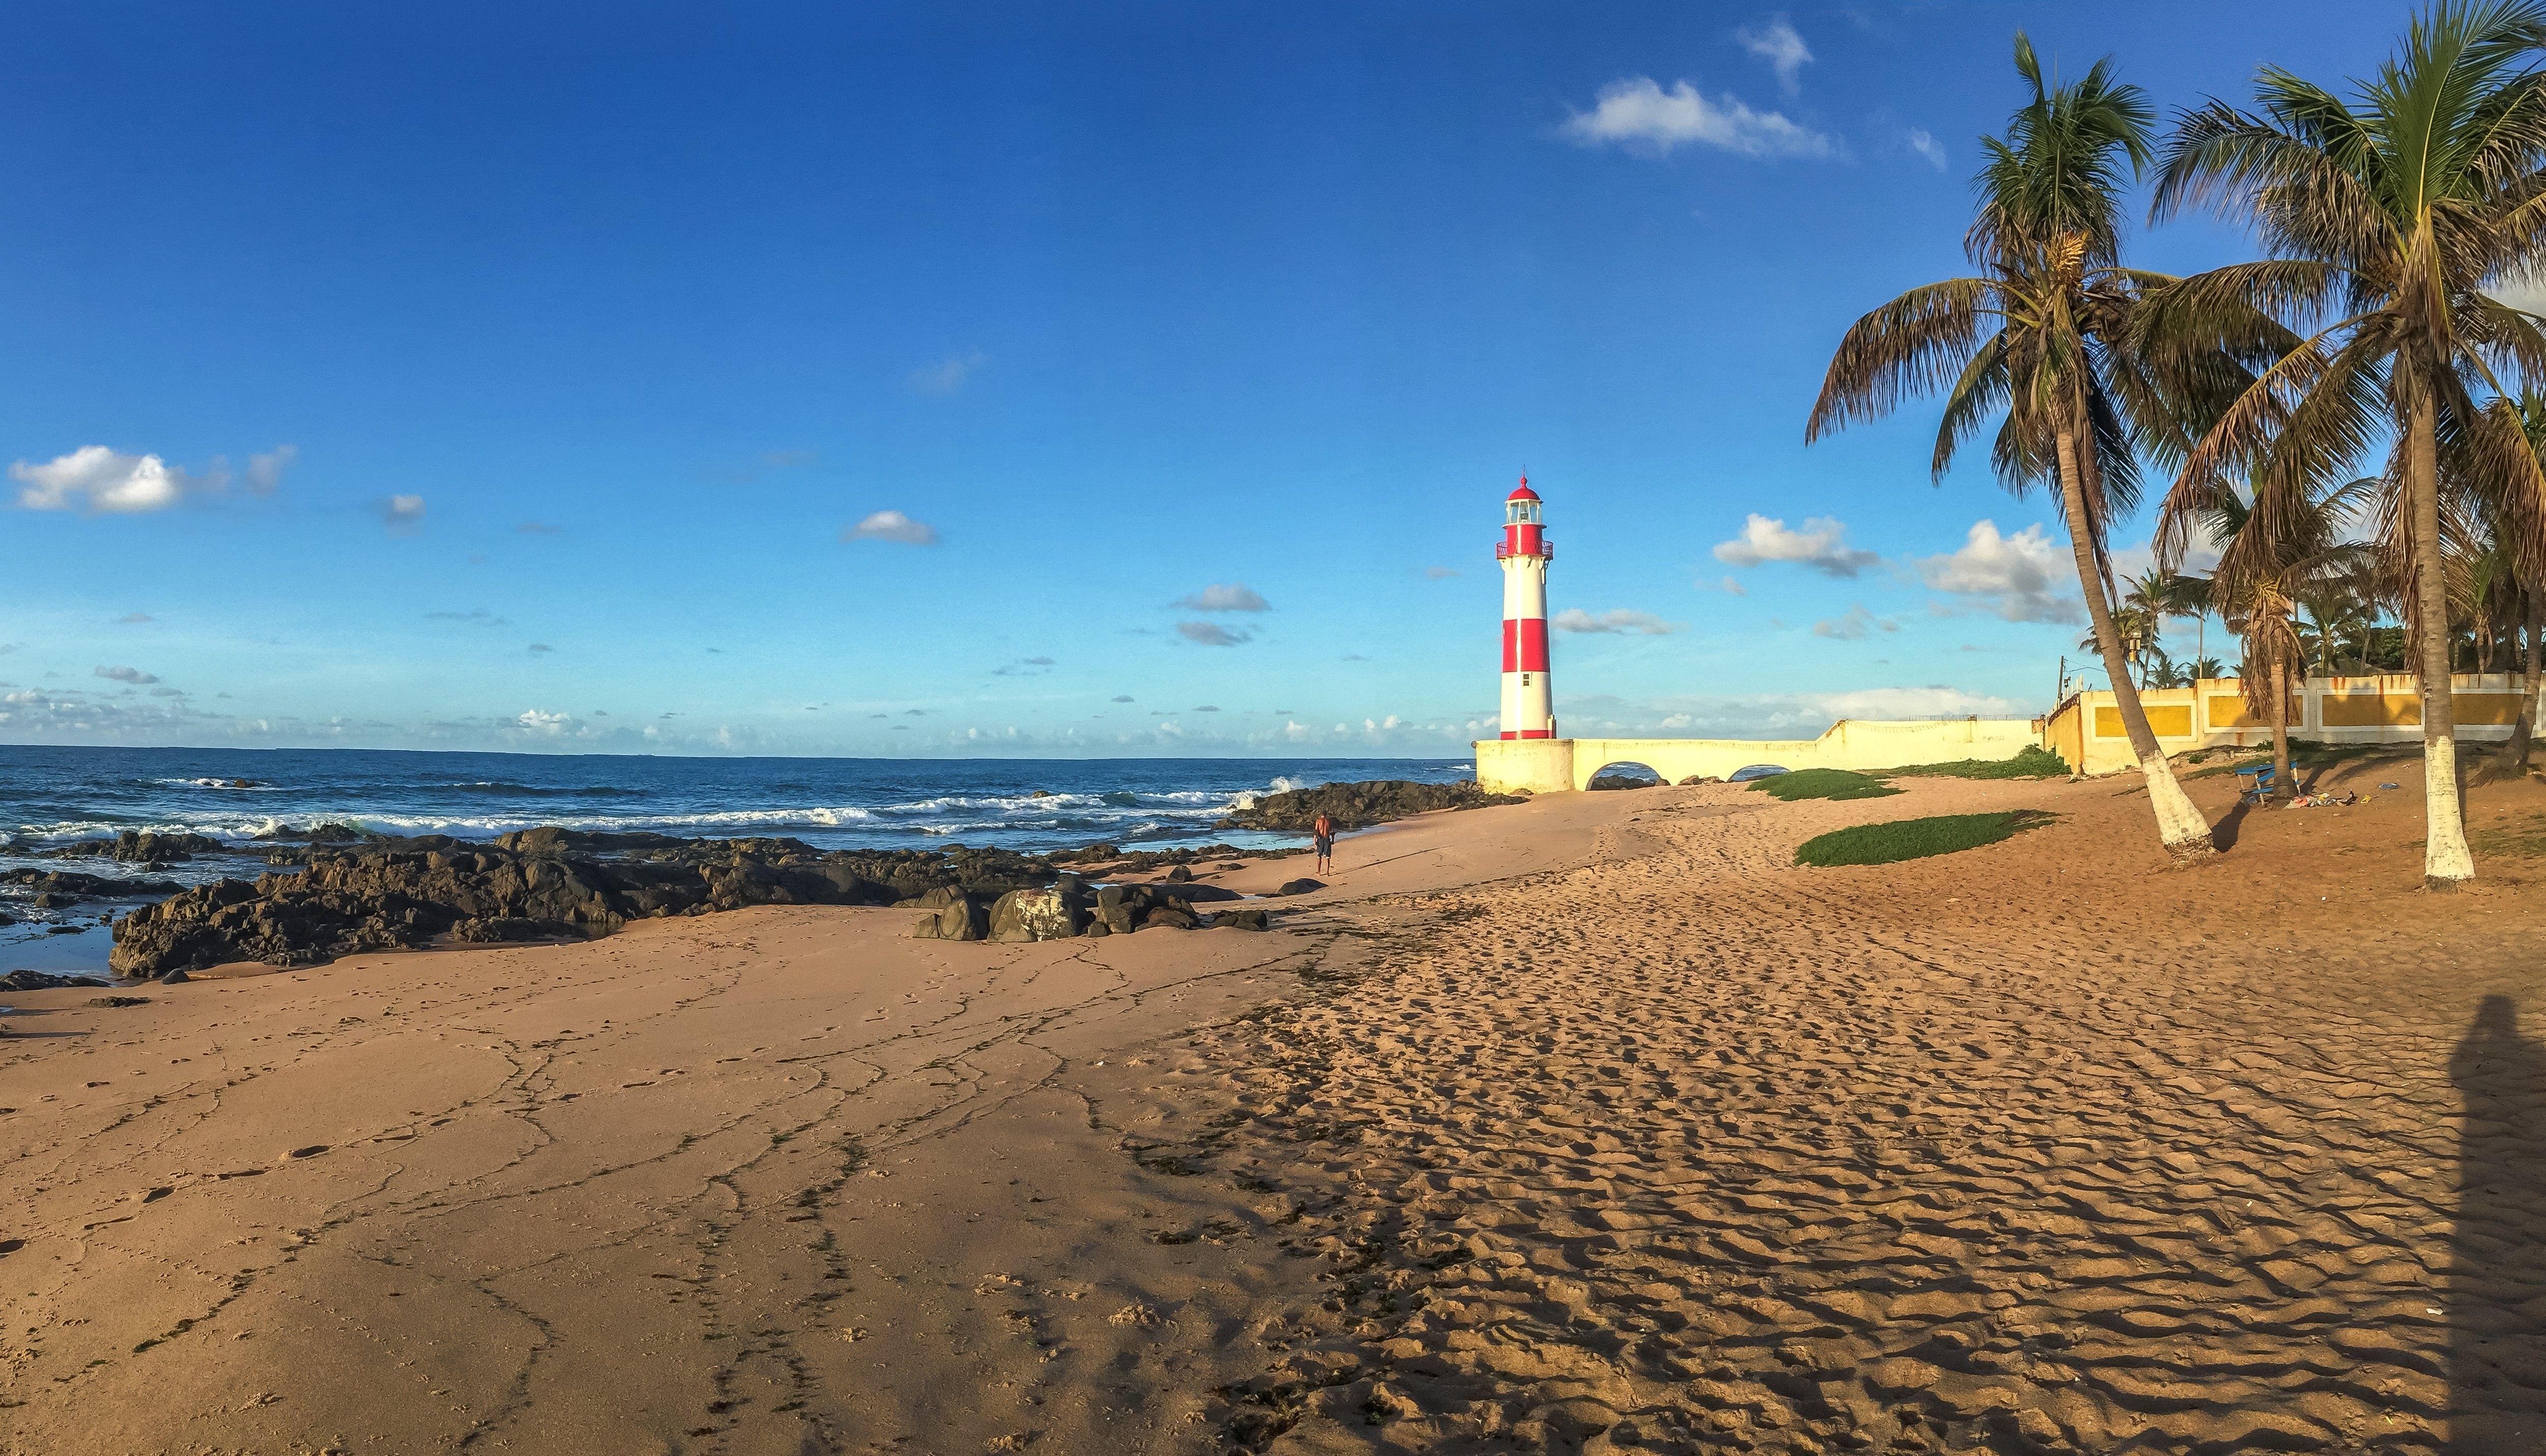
(948, 376)
(2018, 577)
(1235, 596)
(1777, 44)
(1212, 634)
(126, 674)
(534, 720)
(401, 513)
(892, 526)
(1928, 147)
(1853, 625)
(100, 480)
(96, 479)
(1622, 622)
(1639, 113)
(1821, 544)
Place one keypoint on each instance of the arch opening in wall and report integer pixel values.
(1756, 771)
(1626, 774)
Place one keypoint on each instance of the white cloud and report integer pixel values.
(892, 526)
(1638, 113)
(2020, 577)
(1777, 44)
(949, 376)
(1821, 545)
(1734, 585)
(1853, 625)
(126, 674)
(265, 471)
(1622, 622)
(551, 724)
(401, 513)
(1212, 634)
(1928, 147)
(96, 479)
(1235, 596)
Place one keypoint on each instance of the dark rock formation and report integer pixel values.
(1622, 781)
(141, 847)
(1041, 915)
(1358, 806)
(54, 889)
(1246, 919)
(385, 893)
(1300, 886)
(39, 981)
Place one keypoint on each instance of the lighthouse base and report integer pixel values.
(1556, 765)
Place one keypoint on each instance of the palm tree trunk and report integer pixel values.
(2282, 788)
(2447, 863)
(2179, 827)
(2528, 724)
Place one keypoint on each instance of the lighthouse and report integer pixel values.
(1529, 709)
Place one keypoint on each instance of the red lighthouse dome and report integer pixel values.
(1524, 492)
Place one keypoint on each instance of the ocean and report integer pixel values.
(50, 796)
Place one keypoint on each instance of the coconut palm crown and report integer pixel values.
(2385, 219)
(2042, 341)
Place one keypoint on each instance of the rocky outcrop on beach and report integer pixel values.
(141, 847)
(1358, 806)
(1072, 907)
(536, 885)
(51, 890)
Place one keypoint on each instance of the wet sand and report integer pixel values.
(1586, 1124)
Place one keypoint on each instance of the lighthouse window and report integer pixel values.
(1524, 679)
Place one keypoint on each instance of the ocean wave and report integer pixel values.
(534, 791)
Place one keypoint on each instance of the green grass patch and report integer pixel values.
(2519, 839)
(2035, 762)
(1883, 844)
(1823, 783)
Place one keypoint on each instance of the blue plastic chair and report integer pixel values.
(2260, 787)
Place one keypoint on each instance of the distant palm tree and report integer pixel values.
(2385, 219)
(2041, 340)
(2273, 552)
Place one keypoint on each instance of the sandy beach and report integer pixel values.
(1590, 1124)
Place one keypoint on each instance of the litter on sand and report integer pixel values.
(2391, 786)
(2320, 801)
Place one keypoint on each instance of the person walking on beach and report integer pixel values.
(1325, 831)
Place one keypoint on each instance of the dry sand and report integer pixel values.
(1591, 1123)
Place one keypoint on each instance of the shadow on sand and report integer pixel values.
(2498, 1253)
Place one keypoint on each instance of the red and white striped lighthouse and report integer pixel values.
(1529, 709)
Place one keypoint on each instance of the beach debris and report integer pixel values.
(2391, 786)
(2322, 801)
(114, 1002)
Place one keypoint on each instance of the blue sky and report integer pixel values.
(1002, 378)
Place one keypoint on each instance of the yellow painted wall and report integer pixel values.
(2352, 710)
(1542, 765)
(2370, 710)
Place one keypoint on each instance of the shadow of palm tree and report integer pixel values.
(2498, 1250)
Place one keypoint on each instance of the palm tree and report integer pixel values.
(2383, 220)
(2532, 424)
(2041, 336)
(2273, 553)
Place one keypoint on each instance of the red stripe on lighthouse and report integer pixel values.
(1533, 644)
(1511, 645)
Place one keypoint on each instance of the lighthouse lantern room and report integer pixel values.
(1529, 709)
